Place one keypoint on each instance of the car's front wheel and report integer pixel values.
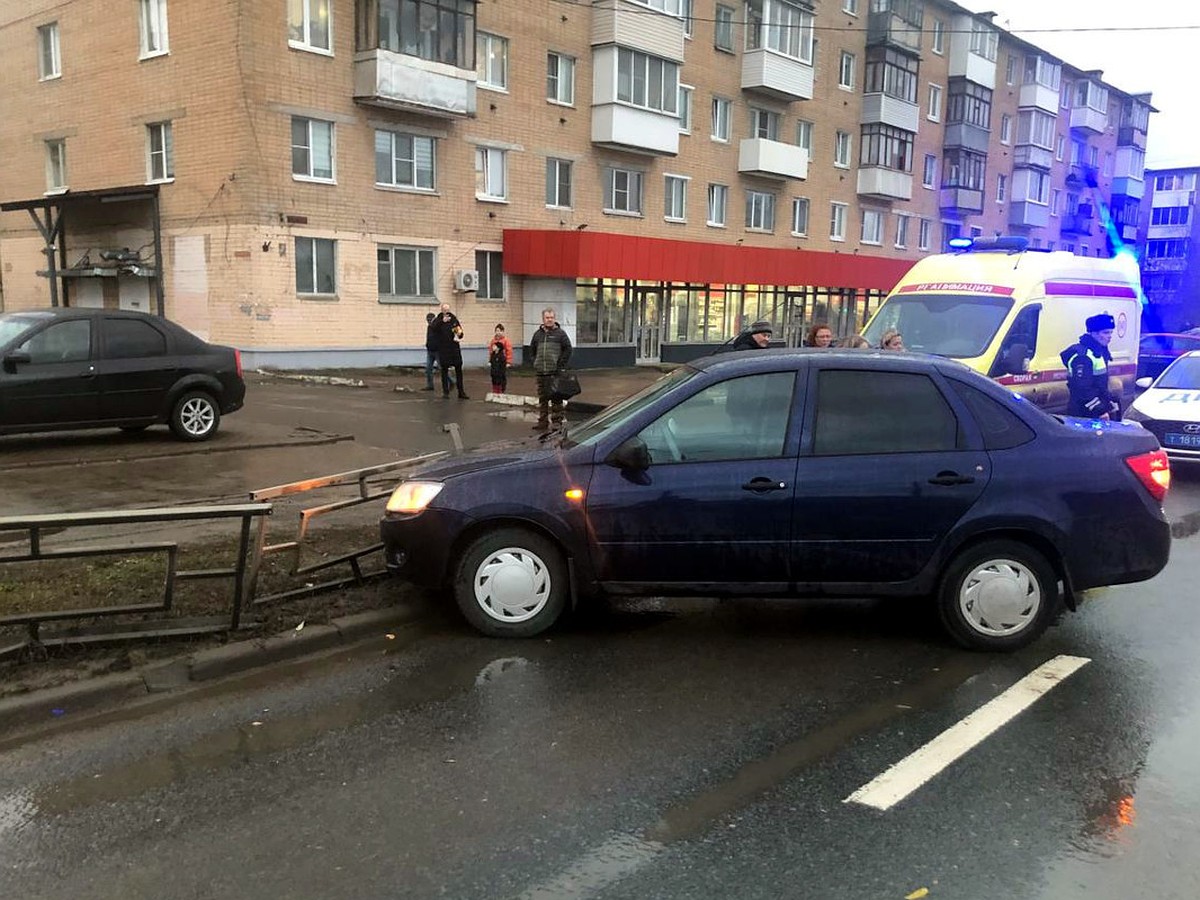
(511, 583)
(195, 416)
(998, 595)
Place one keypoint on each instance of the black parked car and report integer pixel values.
(796, 473)
(95, 368)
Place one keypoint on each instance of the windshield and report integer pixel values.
(594, 428)
(956, 325)
(13, 325)
(1182, 375)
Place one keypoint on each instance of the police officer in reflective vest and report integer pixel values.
(1087, 371)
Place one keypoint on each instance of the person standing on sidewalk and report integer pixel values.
(500, 357)
(449, 349)
(1087, 371)
(757, 338)
(551, 351)
(430, 349)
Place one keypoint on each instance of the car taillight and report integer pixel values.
(237, 361)
(1153, 471)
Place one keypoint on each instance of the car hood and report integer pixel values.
(488, 456)
(1168, 403)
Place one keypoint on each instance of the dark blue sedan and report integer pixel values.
(796, 473)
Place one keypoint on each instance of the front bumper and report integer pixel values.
(419, 548)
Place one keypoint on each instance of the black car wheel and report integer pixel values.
(511, 583)
(998, 595)
(195, 416)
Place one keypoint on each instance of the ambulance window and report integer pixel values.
(1018, 346)
(1002, 428)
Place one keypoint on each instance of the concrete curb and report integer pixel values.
(57, 703)
(522, 400)
(313, 379)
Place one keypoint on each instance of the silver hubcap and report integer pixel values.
(1000, 597)
(197, 416)
(512, 585)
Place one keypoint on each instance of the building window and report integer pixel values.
(491, 61)
(929, 174)
(846, 71)
(804, 134)
(891, 73)
(1035, 127)
(688, 13)
(1055, 201)
(1060, 148)
(1039, 70)
(406, 271)
(850, 6)
(837, 221)
(405, 160)
(316, 266)
(923, 232)
(760, 211)
(685, 109)
(1093, 156)
(764, 124)
(160, 152)
(723, 29)
(985, 40)
(308, 25)
(438, 30)
(800, 216)
(1170, 215)
(718, 200)
(935, 103)
(560, 79)
(939, 37)
(491, 173)
(312, 149)
(841, 149)
(963, 169)
(152, 19)
(872, 226)
(675, 198)
(720, 119)
(647, 81)
(49, 60)
(1032, 186)
(56, 165)
(969, 103)
(1001, 188)
(1005, 128)
(558, 183)
(1010, 69)
(902, 230)
(490, 266)
(623, 191)
(888, 147)
(781, 26)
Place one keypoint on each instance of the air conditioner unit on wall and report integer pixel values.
(466, 280)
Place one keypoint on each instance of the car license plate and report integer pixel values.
(1182, 440)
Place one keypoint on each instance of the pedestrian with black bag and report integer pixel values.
(449, 349)
(550, 350)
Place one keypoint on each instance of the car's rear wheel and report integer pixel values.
(195, 416)
(511, 583)
(998, 595)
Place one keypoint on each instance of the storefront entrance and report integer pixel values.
(648, 310)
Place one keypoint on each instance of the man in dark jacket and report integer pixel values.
(430, 349)
(757, 338)
(550, 350)
(1087, 371)
(448, 336)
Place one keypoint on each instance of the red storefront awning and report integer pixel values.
(587, 254)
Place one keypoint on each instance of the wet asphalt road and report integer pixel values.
(688, 749)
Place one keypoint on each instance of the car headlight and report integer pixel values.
(413, 496)
(1133, 414)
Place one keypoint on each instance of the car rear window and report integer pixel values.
(861, 412)
(1002, 428)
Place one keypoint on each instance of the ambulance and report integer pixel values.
(1008, 312)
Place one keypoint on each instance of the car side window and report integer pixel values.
(1018, 346)
(132, 339)
(69, 341)
(742, 418)
(860, 412)
(1002, 428)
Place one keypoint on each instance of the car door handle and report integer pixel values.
(89, 372)
(951, 478)
(763, 485)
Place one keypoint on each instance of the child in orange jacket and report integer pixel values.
(500, 356)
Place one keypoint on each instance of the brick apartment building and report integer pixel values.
(1170, 249)
(306, 179)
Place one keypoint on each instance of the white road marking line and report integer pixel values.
(619, 856)
(900, 780)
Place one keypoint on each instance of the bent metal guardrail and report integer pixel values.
(37, 526)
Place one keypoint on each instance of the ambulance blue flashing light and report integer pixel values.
(1011, 243)
(961, 243)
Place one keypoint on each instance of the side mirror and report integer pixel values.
(14, 359)
(1144, 383)
(631, 455)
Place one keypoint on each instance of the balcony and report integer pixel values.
(1129, 233)
(1029, 215)
(968, 65)
(1031, 156)
(637, 27)
(772, 159)
(1038, 96)
(1081, 174)
(1164, 264)
(961, 199)
(1128, 186)
(776, 75)
(899, 25)
(1128, 136)
(1088, 119)
(396, 81)
(885, 110)
(879, 183)
(971, 137)
(1168, 232)
(1079, 223)
(632, 128)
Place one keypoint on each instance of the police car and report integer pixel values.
(1170, 407)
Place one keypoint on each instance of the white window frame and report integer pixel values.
(838, 212)
(924, 232)
(629, 184)
(1060, 148)
(300, 33)
(675, 189)
(1001, 187)
(764, 123)
(423, 292)
(1005, 128)
(929, 171)
(804, 136)
(1055, 201)
(491, 174)
(781, 26)
(902, 220)
(722, 112)
(666, 99)
(687, 12)
(938, 42)
(486, 289)
(850, 6)
(846, 70)
(723, 27)
(760, 211)
(843, 146)
(308, 147)
(687, 94)
(393, 143)
(872, 228)
(486, 76)
(556, 65)
(554, 182)
(160, 162)
(152, 29)
(934, 113)
(49, 52)
(718, 205)
(801, 209)
(315, 271)
(56, 165)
